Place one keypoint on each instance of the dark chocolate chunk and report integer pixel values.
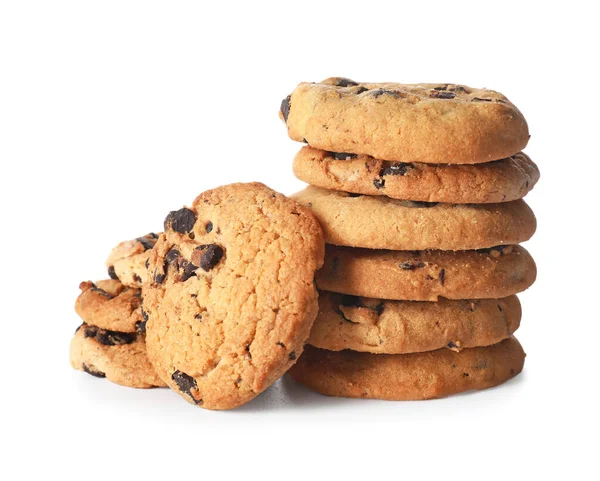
(159, 277)
(108, 338)
(400, 168)
(285, 107)
(477, 99)
(92, 371)
(198, 317)
(442, 88)
(417, 204)
(208, 227)
(345, 82)
(189, 270)
(210, 257)
(186, 383)
(457, 88)
(360, 90)
(153, 235)
(140, 326)
(352, 194)
(112, 274)
(292, 356)
(378, 308)
(379, 92)
(379, 183)
(436, 94)
(102, 292)
(342, 155)
(146, 243)
(172, 256)
(181, 220)
(441, 276)
(137, 278)
(411, 265)
(452, 345)
(145, 315)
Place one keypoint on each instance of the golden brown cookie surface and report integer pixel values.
(231, 297)
(429, 123)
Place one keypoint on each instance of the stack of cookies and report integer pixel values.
(418, 189)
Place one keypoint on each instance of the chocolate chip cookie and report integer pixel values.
(127, 262)
(120, 357)
(378, 222)
(429, 123)
(399, 327)
(230, 298)
(426, 275)
(424, 375)
(491, 182)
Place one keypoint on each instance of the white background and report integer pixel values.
(112, 113)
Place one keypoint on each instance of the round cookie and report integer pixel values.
(120, 357)
(426, 275)
(400, 327)
(108, 304)
(424, 375)
(498, 181)
(231, 298)
(382, 223)
(429, 123)
(127, 262)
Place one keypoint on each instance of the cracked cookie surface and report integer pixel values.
(378, 222)
(117, 356)
(400, 327)
(127, 261)
(230, 298)
(424, 375)
(429, 123)
(491, 182)
(426, 275)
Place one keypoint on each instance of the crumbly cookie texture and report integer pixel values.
(427, 275)
(492, 182)
(416, 376)
(127, 262)
(108, 304)
(382, 223)
(400, 327)
(118, 356)
(429, 123)
(230, 298)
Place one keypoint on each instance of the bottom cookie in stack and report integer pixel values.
(111, 341)
(416, 376)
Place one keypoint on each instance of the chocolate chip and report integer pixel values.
(91, 370)
(379, 92)
(417, 204)
(147, 263)
(140, 326)
(112, 274)
(411, 265)
(146, 243)
(108, 338)
(352, 194)
(281, 344)
(441, 276)
(379, 183)
(159, 277)
(400, 168)
(181, 220)
(186, 383)
(145, 315)
(102, 292)
(465, 374)
(458, 88)
(442, 88)
(208, 227)
(452, 345)
(189, 270)
(198, 317)
(292, 356)
(442, 95)
(210, 255)
(345, 82)
(285, 107)
(477, 99)
(361, 90)
(172, 256)
(137, 278)
(378, 308)
(153, 235)
(342, 155)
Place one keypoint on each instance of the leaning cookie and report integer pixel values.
(109, 304)
(127, 262)
(120, 357)
(491, 182)
(378, 222)
(400, 327)
(426, 275)
(417, 376)
(230, 298)
(430, 123)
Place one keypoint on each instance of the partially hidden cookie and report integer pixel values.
(108, 304)
(378, 222)
(424, 375)
(430, 123)
(231, 298)
(118, 356)
(400, 327)
(491, 182)
(127, 261)
(426, 275)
